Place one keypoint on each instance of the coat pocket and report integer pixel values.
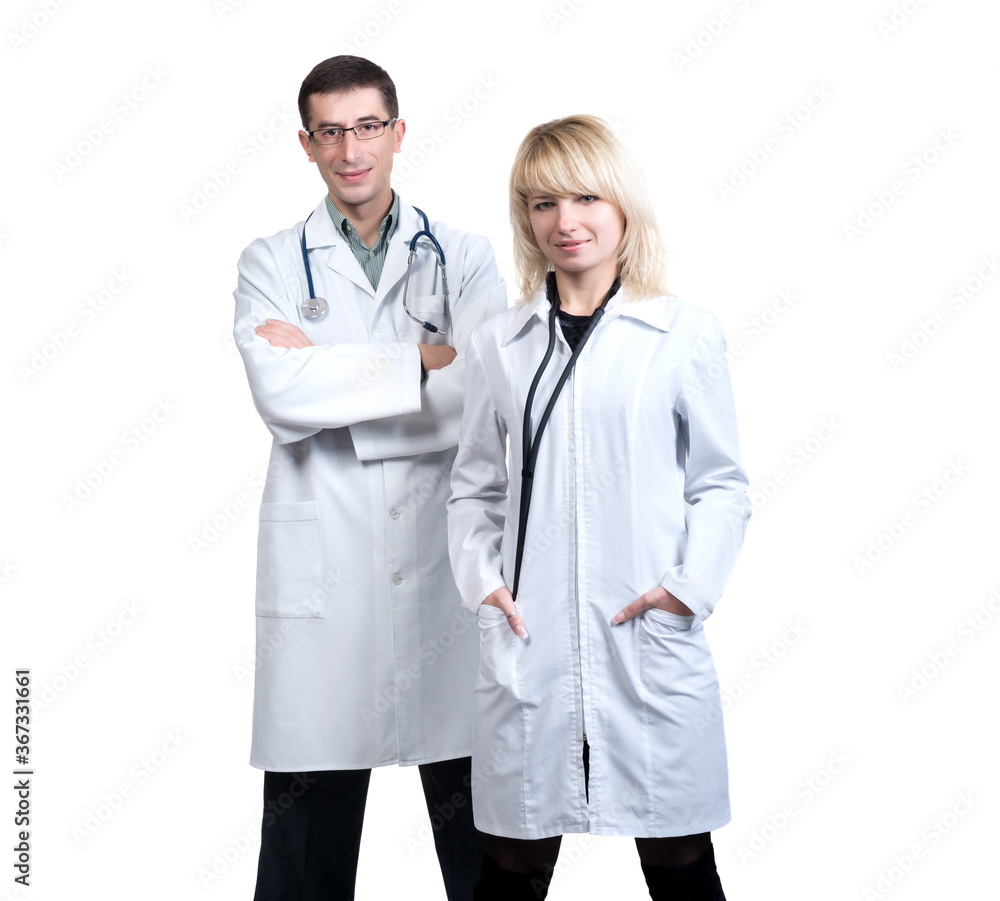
(290, 561)
(430, 308)
(497, 678)
(490, 616)
(663, 622)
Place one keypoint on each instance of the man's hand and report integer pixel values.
(503, 599)
(436, 356)
(656, 597)
(283, 334)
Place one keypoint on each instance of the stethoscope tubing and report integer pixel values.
(316, 307)
(425, 232)
(529, 445)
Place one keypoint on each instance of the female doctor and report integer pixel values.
(624, 475)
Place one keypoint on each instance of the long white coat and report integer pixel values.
(364, 655)
(637, 485)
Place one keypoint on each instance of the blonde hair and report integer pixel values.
(581, 155)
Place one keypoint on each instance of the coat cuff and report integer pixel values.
(681, 588)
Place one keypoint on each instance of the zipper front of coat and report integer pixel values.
(577, 461)
(571, 441)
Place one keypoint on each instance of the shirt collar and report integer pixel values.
(344, 226)
(659, 312)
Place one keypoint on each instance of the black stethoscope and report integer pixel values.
(317, 307)
(529, 445)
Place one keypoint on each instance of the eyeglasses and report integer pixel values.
(363, 132)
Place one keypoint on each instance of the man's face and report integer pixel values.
(356, 172)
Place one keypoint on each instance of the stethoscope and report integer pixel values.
(529, 445)
(316, 307)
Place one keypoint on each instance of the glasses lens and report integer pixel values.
(369, 130)
(328, 136)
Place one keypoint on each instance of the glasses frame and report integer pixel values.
(354, 128)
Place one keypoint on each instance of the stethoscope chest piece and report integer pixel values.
(315, 308)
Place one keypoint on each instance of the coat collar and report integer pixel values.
(658, 312)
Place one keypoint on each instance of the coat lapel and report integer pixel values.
(320, 233)
(399, 249)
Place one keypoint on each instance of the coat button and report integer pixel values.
(380, 327)
(397, 579)
(394, 513)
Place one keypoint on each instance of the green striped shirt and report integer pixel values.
(372, 259)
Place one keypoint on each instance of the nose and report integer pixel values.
(350, 147)
(567, 219)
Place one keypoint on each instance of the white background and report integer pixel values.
(141, 643)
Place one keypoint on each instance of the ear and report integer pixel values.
(398, 130)
(306, 145)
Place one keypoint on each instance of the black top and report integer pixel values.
(573, 327)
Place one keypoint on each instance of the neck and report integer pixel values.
(367, 217)
(580, 293)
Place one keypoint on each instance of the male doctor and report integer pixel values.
(365, 656)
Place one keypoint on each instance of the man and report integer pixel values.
(365, 657)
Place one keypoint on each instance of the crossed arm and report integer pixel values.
(283, 334)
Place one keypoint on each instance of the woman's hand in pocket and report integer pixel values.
(504, 600)
(657, 597)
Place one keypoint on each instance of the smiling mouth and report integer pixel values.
(570, 245)
(353, 176)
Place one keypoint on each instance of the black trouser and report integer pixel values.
(311, 832)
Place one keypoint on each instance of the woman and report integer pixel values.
(608, 718)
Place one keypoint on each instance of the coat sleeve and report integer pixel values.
(715, 484)
(478, 504)
(482, 293)
(299, 391)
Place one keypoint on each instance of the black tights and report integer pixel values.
(529, 855)
(680, 867)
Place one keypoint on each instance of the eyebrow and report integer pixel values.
(361, 121)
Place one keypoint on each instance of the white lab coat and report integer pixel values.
(644, 424)
(364, 655)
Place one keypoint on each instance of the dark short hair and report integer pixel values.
(346, 73)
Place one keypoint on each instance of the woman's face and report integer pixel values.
(578, 233)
